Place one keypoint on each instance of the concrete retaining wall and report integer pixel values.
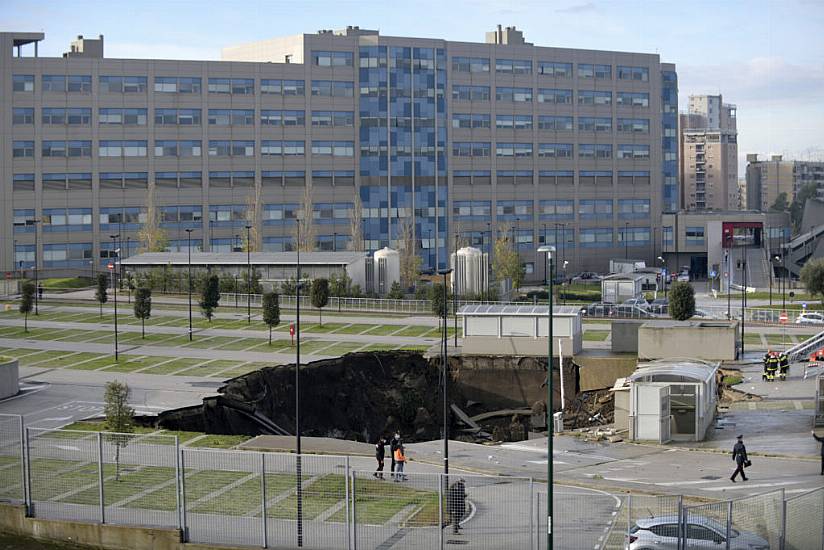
(9, 378)
(13, 520)
(625, 336)
(708, 340)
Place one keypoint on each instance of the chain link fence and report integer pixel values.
(12, 481)
(278, 500)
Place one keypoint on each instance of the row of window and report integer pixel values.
(180, 148)
(550, 122)
(563, 209)
(222, 179)
(624, 151)
(556, 96)
(81, 116)
(181, 85)
(549, 68)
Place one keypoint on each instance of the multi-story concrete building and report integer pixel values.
(367, 136)
(767, 179)
(709, 155)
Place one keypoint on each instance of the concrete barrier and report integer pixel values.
(9, 377)
(13, 521)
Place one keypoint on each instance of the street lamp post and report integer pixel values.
(113, 269)
(549, 396)
(249, 274)
(445, 373)
(556, 242)
(626, 242)
(236, 248)
(298, 464)
(743, 295)
(488, 256)
(454, 295)
(34, 269)
(189, 249)
(434, 267)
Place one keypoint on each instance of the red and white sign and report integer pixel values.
(8, 274)
(783, 318)
(110, 266)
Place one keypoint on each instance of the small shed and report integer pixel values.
(520, 330)
(620, 287)
(671, 400)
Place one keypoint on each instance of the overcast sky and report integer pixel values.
(765, 56)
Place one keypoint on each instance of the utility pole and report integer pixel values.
(189, 248)
(249, 274)
(549, 250)
(113, 270)
(36, 285)
(445, 374)
(298, 462)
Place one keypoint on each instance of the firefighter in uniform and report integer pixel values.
(765, 362)
(772, 367)
(783, 365)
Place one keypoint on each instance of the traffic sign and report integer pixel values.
(8, 274)
(713, 274)
(726, 275)
(783, 318)
(110, 266)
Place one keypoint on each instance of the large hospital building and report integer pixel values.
(576, 148)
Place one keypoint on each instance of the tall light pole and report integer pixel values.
(663, 278)
(189, 249)
(114, 287)
(743, 295)
(34, 267)
(249, 274)
(556, 242)
(490, 243)
(626, 242)
(549, 398)
(445, 381)
(236, 248)
(454, 295)
(334, 242)
(298, 465)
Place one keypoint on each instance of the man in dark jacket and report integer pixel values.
(456, 504)
(820, 440)
(739, 455)
(380, 454)
(394, 443)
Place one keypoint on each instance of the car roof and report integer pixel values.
(646, 523)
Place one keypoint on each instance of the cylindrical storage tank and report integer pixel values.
(387, 265)
(468, 271)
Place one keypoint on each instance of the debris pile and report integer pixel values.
(592, 408)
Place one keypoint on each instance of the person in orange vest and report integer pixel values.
(400, 462)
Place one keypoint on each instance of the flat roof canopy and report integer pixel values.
(516, 310)
(693, 370)
(240, 258)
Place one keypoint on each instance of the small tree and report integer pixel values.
(209, 296)
(812, 275)
(506, 261)
(440, 303)
(119, 418)
(319, 295)
(780, 204)
(681, 301)
(101, 294)
(395, 291)
(340, 285)
(271, 311)
(27, 302)
(143, 307)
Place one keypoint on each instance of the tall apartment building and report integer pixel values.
(362, 133)
(767, 179)
(709, 155)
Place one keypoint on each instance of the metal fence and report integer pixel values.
(279, 500)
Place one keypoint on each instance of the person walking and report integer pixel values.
(40, 291)
(380, 454)
(393, 446)
(400, 461)
(739, 455)
(456, 504)
(820, 440)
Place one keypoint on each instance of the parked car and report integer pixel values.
(662, 532)
(810, 318)
(700, 313)
(587, 276)
(683, 277)
(599, 309)
(659, 306)
(631, 312)
(639, 302)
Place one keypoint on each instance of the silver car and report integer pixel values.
(662, 532)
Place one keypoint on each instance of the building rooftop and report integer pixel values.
(240, 258)
(693, 370)
(516, 310)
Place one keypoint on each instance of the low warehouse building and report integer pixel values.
(520, 330)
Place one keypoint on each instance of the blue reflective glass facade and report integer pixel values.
(669, 140)
(402, 145)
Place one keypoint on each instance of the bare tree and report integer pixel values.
(304, 228)
(151, 235)
(410, 261)
(254, 217)
(356, 226)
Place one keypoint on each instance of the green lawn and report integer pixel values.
(354, 329)
(318, 497)
(65, 282)
(343, 348)
(311, 346)
(215, 441)
(130, 363)
(243, 369)
(325, 328)
(379, 501)
(245, 499)
(778, 339)
(750, 338)
(380, 347)
(199, 483)
(207, 368)
(384, 330)
(595, 335)
(174, 366)
(69, 359)
(413, 330)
